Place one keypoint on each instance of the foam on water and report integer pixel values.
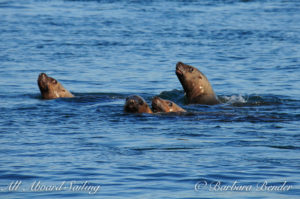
(234, 99)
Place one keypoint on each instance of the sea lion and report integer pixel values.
(166, 106)
(50, 88)
(195, 84)
(136, 104)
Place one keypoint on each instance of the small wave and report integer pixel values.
(17, 176)
(234, 99)
(253, 100)
(176, 95)
(285, 147)
(8, 4)
(83, 97)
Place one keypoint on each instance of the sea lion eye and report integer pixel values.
(141, 102)
(191, 69)
(54, 81)
(170, 104)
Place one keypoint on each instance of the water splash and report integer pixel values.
(234, 99)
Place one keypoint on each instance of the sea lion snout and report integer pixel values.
(155, 98)
(131, 103)
(42, 82)
(136, 104)
(179, 64)
(130, 106)
(156, 104)
(43, 75)
(182, 69)
(179, 69)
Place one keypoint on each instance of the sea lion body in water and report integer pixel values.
(50, 88)
(136, 104)
(195, 84)
(166, 106)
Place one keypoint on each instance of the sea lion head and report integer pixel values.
(136, 104)
(166, 106)
(50, 88)
(194, 82)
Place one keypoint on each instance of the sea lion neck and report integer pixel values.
(195, 84)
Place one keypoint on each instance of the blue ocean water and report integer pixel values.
(103, 51)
